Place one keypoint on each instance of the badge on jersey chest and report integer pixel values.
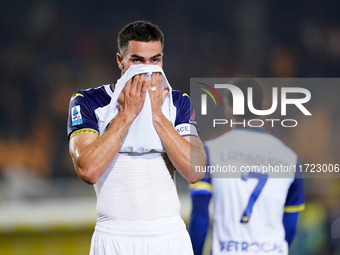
(76, 116)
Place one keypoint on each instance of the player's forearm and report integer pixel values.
(92, 160)
(183, 154)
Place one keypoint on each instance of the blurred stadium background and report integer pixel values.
(49, 49)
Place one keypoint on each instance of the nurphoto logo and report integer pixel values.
(295, 96)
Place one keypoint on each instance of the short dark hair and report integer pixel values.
(244, 84)
(142, 31)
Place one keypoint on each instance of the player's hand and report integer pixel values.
(131, 99)
(157, 95)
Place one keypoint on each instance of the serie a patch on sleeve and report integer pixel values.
(76, 116)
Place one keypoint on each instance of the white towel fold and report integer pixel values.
(142, 136)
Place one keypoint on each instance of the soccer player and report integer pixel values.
(255, 212)
(138, 210)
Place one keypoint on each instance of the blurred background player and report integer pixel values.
(254, 212)
(138, 210)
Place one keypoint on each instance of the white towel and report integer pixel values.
(142, 136)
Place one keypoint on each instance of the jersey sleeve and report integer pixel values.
(199, 222)
(203, 187)
(201, 193)
(81, 117)
(185, 122)
(295, 197)
(290, 222)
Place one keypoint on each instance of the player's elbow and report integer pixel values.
(195, 172)
(194, 180)
(89, 179)
(87, 175)
(195, 177)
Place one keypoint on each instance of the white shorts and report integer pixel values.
(166, 236)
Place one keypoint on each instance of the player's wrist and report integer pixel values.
(126, 117)
(158, 117)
